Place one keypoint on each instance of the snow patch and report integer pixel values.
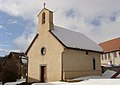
(87, 82)
(88, 77)
(19, 81)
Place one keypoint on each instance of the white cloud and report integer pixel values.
(109, 31)
(98, 19)
(13, 21)
(3, 50)
(2, 27)
(26, 8)
(23, 41)
(2, 34)
(118, 19)
(2, 45)
(8, 33)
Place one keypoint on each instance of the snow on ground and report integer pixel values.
(88, 77)
(52, 83)
(105, 79)
(19, 81)
(86, 82)
(0, 83)
(98, 82)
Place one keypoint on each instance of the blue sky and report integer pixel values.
(12, 27)
(97, 19)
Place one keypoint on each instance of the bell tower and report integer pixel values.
(45, 20)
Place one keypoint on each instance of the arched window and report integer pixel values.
(43, 18)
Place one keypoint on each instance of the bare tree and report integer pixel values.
(10, 71)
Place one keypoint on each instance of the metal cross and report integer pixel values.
(44, 4)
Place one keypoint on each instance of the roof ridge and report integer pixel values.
(68, 29)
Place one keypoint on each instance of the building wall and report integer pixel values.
(52, 58)
(111, 58)
(76, 63)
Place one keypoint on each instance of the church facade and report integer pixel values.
(59, 54)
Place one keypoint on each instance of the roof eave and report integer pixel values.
(111, 51)
(31, 44)
(85, 49)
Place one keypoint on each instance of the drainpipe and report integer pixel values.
(62, 76)
(62, 67)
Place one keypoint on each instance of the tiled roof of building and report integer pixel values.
(73, 39)
(111, 45)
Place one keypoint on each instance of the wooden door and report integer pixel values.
(43, 73)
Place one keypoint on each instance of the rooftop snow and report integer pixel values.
(75, 39)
